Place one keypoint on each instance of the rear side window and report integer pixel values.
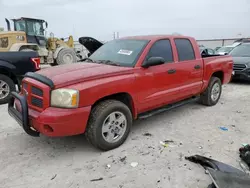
(185, 49)
(162, 48)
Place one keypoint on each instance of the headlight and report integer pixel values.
(64, 98)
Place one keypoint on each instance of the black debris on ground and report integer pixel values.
(53, 177)
(98, 179)
(123, 159)
(245, 154)
(221, 174)
(147, 134)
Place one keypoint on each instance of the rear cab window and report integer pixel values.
(185, 49)
(162, 48)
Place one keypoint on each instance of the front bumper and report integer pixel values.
(51, 122)
(242, 75)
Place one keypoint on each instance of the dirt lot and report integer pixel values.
(71, 162)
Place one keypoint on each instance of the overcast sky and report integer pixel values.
(202, 19)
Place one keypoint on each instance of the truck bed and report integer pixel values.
(213, 63)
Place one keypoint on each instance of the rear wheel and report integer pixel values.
(109, 125)
(66, 56)
(6, 87)
(212, 94)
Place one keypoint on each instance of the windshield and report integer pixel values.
(124, 52)
(225, 49)
(241, 51)
(33, 27)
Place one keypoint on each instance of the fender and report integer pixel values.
(16, 47)
(57, 51)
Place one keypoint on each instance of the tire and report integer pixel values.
(102, 113)
(66, 56)
(5, 82)
(207, 97)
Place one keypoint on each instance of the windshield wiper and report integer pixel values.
(108, 62)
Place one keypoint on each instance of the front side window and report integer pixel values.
(123, 52)
(162, 48)
(20, 25)
(185, 49)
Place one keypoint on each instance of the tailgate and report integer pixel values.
(21, 61)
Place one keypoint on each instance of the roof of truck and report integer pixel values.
(155, 37)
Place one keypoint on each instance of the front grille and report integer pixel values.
(239, 67)
(34, 95)
(37, 102)
(37, 91)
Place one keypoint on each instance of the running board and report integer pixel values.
(167, 107)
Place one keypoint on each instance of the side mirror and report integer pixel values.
(46, 25)
(152, 61)
(226, 53)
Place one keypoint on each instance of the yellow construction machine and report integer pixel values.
(29, 35)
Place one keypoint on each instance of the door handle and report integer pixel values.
(171, 71)
(197, 66)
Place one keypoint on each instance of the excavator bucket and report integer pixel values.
(90, 43)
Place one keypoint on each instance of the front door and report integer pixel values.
(160, 82)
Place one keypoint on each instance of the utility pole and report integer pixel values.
(116, 35)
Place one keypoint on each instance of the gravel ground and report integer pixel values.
(72, 162)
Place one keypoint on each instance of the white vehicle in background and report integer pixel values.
(224, 50)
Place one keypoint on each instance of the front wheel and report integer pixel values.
(212, 94)
(109, 125)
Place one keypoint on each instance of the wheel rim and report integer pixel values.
(215, 93)
(114, 127)
(4, 89)
(68, 58)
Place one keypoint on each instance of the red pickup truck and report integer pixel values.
(123, 80)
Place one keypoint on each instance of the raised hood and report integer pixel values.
(90, 43)
(65, 75)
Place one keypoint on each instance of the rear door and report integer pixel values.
(189, 66)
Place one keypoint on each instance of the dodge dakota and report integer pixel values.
(123, 80)
(13, 65)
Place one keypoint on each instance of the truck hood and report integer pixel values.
(241, 60)
(65, 75)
